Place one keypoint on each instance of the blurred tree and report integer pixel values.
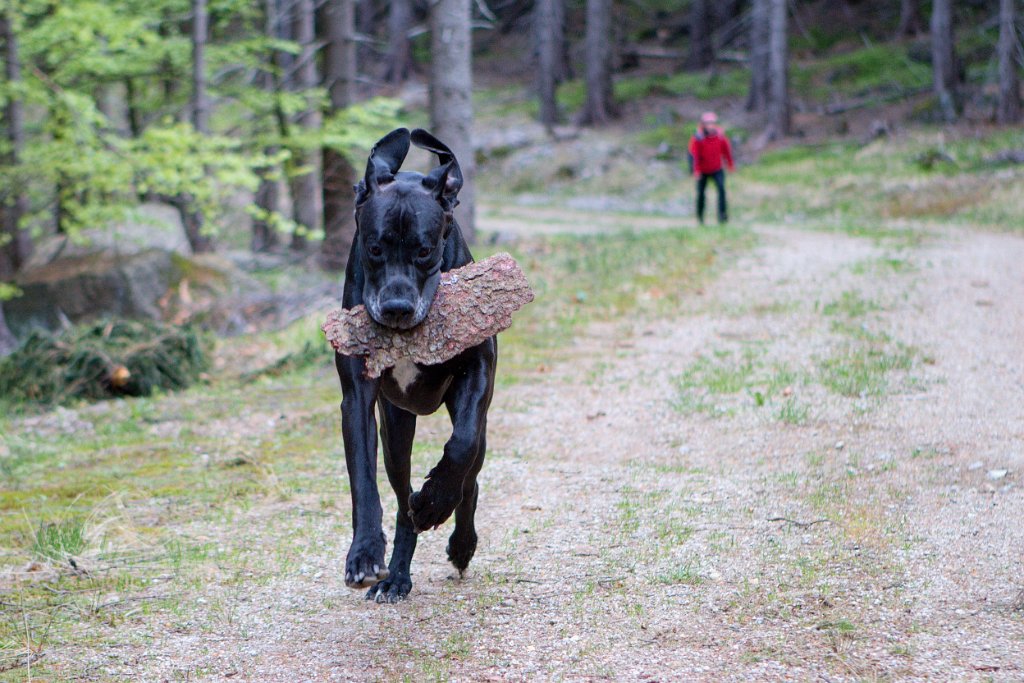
(702, 51)
(267, 200)
(7, 341)
(598, 108)
(944, 71)
(451, 97)
(757, 98)
(338, 20)
(398, 61)
(191, 217)
(1009, 108)
(910, 19)
(15, 240)
(549, 37)
(304, 168)
(778, 69)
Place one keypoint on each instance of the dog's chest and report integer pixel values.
(415, 389)
(404, 375)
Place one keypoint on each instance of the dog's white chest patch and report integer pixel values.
(405, 373)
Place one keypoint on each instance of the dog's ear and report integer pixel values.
(446, 179)
(386, 158)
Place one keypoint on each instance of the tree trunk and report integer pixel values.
(944, 60)
(778, 71)
(1009, 108)
(18, 247)
(702, 52)
(191, 217)
(305, 173)
(267, 198)
(398, 62)
(549, 34)
(451, 101)
(8, 342)
(760, 55)
(338, 173)
(910, 19)
(134, 115)
(598, 107)
(200, 98)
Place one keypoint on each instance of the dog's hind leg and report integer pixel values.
(462, 542)
(397, 429)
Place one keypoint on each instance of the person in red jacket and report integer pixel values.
(708, 147)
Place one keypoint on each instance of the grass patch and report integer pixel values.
(686, 574)
(59, 541)
(862, 371)
(880, 189)
(724, 382)
(581, 279)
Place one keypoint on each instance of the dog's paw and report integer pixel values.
(390, 590)
(434, 503)
(365, 564)
(461, 548)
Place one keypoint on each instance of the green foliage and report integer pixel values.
(353, 130)
(881, 69)
(102, 360)
(701, 85)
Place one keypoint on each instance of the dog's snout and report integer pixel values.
(397, 307)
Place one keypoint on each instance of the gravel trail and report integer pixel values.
(642, 521)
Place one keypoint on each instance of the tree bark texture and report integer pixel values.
(398, 61)
(598, 108)
(944, 74)
(1009, 107)
(200, 97)
(268, 194)
(472, 304)
(910, 19)
(451, 98)
(18, 247)
(778, 69)
(760, 54)
(191, 216)
(304, 175)
(702, 51)
(549, 37)
(267, 198)
(8, 342)
(338, 173)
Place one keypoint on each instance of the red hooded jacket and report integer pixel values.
(708, 150)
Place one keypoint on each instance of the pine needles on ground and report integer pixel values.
(103, 360)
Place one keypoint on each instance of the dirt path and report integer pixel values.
(697, 499)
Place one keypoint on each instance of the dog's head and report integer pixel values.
(402, 221)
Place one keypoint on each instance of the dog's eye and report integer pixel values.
(375, 250)
(424, 252)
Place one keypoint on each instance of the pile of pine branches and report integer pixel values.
(103, 360)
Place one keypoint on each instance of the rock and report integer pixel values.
(78, 288)
(153, 284)
(996, 475)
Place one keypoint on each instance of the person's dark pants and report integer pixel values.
(702, 183)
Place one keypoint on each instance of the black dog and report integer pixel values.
(406, 237)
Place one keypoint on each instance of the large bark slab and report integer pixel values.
(473, 303)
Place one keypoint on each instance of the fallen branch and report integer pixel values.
(472, 304)
(802, 525)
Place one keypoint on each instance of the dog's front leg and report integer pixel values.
(467, 402)
(365, 564)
